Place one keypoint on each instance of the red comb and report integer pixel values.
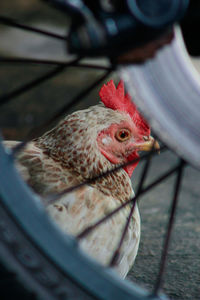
(116, 99)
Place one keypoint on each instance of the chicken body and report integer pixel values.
(84, 145)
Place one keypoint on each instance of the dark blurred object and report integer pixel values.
(149, 50)
(190, 27)
(111, 28)
(12, 288)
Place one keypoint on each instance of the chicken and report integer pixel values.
(82, 146)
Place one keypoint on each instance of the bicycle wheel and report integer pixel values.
(40, 260)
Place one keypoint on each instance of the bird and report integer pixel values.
(82, 146)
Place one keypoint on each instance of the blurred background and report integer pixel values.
(33, 108)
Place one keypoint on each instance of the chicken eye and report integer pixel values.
(123, 135)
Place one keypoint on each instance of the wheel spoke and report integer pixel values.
(26, 87)
(143, 191)
(169, 227)
(51, 199)
(16, 24)
(17, 60)
(68, 106)
(36, 131)
(116, 255)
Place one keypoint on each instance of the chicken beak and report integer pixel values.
(148, 145)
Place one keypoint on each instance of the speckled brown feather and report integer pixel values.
(68, 155)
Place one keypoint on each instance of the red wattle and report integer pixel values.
(130, 168)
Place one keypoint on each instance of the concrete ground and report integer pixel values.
(182, 280)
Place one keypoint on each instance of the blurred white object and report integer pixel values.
(167, 90)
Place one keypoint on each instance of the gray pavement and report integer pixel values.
(181, 280)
